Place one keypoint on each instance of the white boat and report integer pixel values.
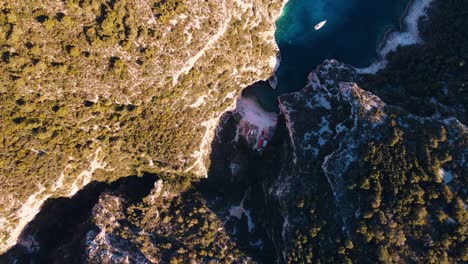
(320, 25)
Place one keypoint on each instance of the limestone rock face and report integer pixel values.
(338, 132)
(134, 220)
(97, 90)
(344, 170)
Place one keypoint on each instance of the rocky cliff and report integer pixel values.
(392, 178)
(349, 177)
(97, 90)
(346, 177)
(133, 220)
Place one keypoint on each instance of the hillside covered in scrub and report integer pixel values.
(100, 89)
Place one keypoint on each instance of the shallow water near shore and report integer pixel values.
(353, 31)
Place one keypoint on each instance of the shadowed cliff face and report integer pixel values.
(342, 166)
(135, 220)
(345, 176)
(56, 234)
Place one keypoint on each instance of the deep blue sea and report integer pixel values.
(352, 33)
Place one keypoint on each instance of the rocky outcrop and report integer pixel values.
(323, 121)
(340, 156)
(329, 127)
(135, 220)
(103, 244)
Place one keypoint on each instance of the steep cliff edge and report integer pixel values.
(348, 177)
(98, 90)
(133, 220)
(394, 180)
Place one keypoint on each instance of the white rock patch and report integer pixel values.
(408, 36)
(238, 210)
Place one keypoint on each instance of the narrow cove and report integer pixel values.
(352, 33)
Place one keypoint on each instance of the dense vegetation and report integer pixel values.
(137, 219)
(405, 197)
(186, 230)
(404, 209)
(430, 77)
(408, 210)
(113, 82)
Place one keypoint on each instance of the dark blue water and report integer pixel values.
(352, 33)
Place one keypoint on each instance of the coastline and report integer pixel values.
(273, 81)
(199, 167)
(402, 25)
(407, 34)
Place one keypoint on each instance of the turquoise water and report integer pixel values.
(352, 33)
